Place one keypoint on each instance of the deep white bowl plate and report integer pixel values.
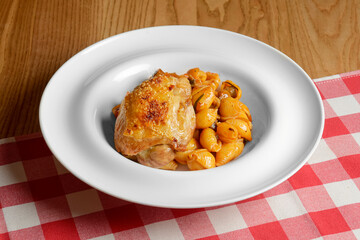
(77, 124)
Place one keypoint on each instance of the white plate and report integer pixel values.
(77, 124)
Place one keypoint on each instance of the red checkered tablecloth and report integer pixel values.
(40, 199)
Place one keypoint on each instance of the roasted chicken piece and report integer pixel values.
(155, 119)
(156, 156)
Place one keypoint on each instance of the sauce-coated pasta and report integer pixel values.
(223, 123)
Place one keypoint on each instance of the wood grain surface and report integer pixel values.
(37, 37)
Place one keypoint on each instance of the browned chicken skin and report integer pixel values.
(155, 119)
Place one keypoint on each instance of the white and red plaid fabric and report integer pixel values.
(42, 200)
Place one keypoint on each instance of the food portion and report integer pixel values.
(155, 119)
(192, 119)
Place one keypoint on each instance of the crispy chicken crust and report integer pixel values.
(158, 111)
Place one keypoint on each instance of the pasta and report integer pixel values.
(230, 107)
(223, 94)
(223, 123)
(232, 88)
(182, 157)
(206, 118)
(209, 140)
(228, 152)
(200, 159)
(246, 110)
(227, 132)
(202, 97)
(197, 74)
(170, 166)
(242, 127)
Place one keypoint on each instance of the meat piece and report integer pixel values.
(156, 156)
(157, 112)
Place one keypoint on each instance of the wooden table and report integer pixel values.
(38, 36)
